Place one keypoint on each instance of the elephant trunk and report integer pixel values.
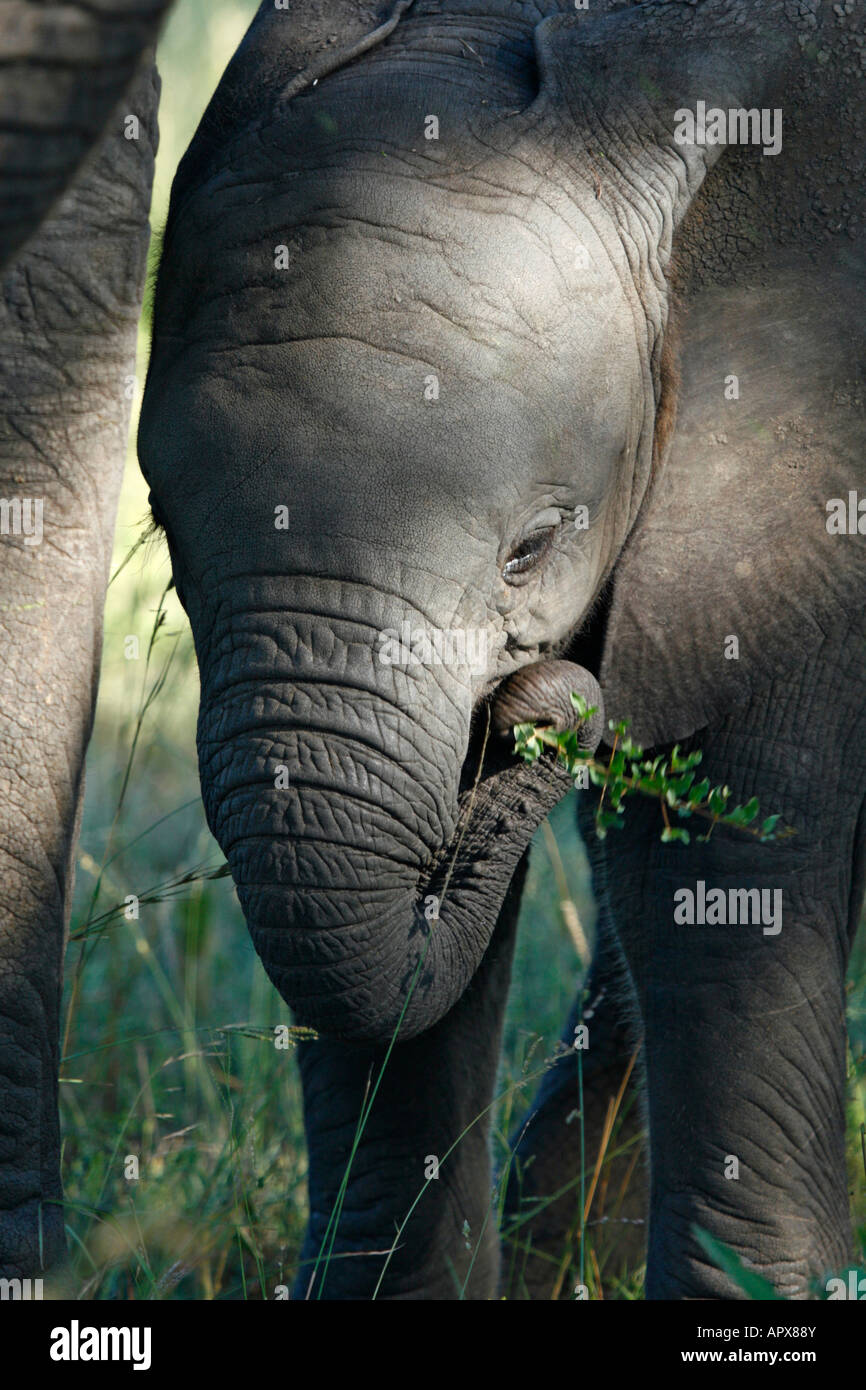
(370, 882)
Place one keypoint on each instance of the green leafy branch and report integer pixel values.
(668, 779)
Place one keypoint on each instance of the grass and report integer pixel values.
(183, 1155)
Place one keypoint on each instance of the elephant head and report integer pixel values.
(410, 383)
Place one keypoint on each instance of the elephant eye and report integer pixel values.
(528, 554)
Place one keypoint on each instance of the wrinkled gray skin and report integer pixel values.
(74, 199)
(524, 259)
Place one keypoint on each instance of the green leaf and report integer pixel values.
(671, 833)
(718, 799)
(606, 820)
(617, 763)
(584, 710)
(651, 786)
(698, 792)
(770, 825)
(754, 1285)
(683, 764)
(680, 785)
(567, 743)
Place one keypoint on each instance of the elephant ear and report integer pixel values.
(616, 86)
(730, 568)
(286, 49)
(749, 558)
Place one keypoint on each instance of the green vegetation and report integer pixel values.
(670, 780)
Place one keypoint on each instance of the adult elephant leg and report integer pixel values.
(551, 1147)
(68, 318)
(432, 1106)
(745, 1024)
(63, 68)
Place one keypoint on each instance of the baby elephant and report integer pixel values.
(429, 460)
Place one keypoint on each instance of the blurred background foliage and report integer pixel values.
(168, 1058)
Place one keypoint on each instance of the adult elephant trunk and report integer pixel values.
(372, 828)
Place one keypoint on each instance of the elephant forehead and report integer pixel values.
(403, 288)
(338, 216)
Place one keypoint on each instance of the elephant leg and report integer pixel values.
(431, 1112)
(543, 1257)
(745, 1024)
(63, 69)
(69, 309)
